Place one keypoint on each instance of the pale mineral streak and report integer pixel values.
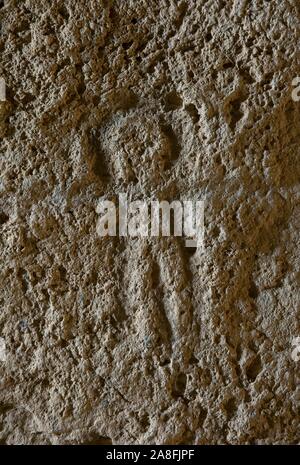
(118, 340)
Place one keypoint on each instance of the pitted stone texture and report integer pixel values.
(140, 341)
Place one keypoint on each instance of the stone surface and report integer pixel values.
(140, 341)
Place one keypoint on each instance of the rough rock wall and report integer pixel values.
(144, 341)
